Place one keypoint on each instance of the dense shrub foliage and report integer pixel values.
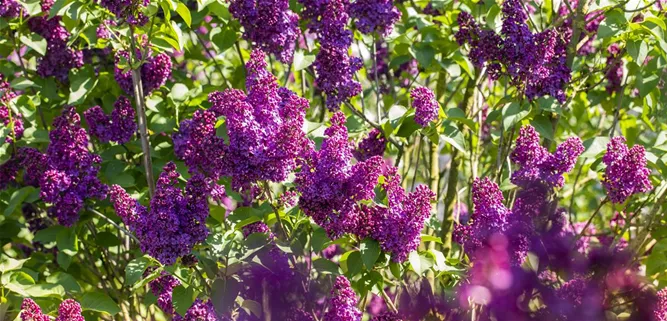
(333, 160)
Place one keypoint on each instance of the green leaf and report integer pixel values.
(67, 241)
(183, 298)
(22, 83)
(107, 239)
(594, 146)
(430, 238)
(32, 7)
(424, 54)
(35, 42)
(177, 34)
(453, 136)
(38, 290)
(223, 39)
(179, 92)
(82, 83)
(55, 8)
(17, 199)
(514, 113)
(419, 263)
(395, 269)
(325, 266)
(370, 252)
(253, 307)
(135, 269)
(543, 126)
(122, 179)
(184, 12)
(351, 262)
(9, 264)
(66, 280)
(48, 234)
(100, 302)
(319, 239)
(302, 61)
(63, 260)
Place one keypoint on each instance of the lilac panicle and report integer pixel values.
(425, 105)
(200, 311)
(343, 302)
(163, 288)
(614, 72)
(69, 310)
(375, 16)
(59, 58)
(198, 145)
(118, 128)
(660, 310)
(127, 10)
(70, 174)
(154, 72)
(270, 24)
(176, 219)
(626, 173)
(372, 145)
(30, 311)
(10, 9)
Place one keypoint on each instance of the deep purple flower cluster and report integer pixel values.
(372, 145)
(30, 159)
(102, 30)
(59, 58)
(154, 72)
(343, 302)
(118, 128)
(163, 289)
(265, 130)
(128, 10)
(270, 24)
(626, 173)
(69, 175)
(425, 105)
(334, 67)
(10, 9)
(69, 310)
(175, 221)
(7, 117)
(199, 311)
(375, 16)
(614, 72)
(535, 63)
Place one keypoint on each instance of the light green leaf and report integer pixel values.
(453, 136)
(17, 199)
(302, 61)
(184, 12)
(594, 146)
(419, 263)
(183, 298)
(100, 302)
(34, 41)
(82, 83)
(514, 113)
(9, 264)
(67, 241)
(370, 252)
(135, 269)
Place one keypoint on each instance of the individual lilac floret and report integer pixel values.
(163, 288)
(333, 65)
(10, 9)
(127, 10)
(154, 72)
(30, 311)
(489, 217)
(330, 185)
(69, 310)
(70, 175)
(270, 24)
(59, 58)
(372, 145)
(425, 105)
(375, 16)
(537, 164)
(343, 302)
(175, 221)
(626, 173)
(265, 128)
(118, 128)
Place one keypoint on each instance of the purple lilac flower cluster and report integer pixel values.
(68, 175)
(175, 221)
(270, 24)
(29, 159)
(535, 63)
(343, 302)
(626, 173)
(10, 9)
(264, 128)
(614, 72)
(102, 30)
(375, 16)
(163, 289)
(154, 72)
(331, 188)
(59, 58)
(119, 127)
(199, 311)
(7, 117)
(334, 67)
(425, 105)
(372, 145)
(660, 312)
(69, 310)
(127, 10)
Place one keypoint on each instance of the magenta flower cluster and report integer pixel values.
(264, 129)
(7, 117)
(332, 188)
(343, 302)
(375, 16)
(534, 62)
(175, 221)
(69, 310)
(119, 127)
(127, 10)
(154, 72)
(199, 311)
(373, 144)
(425, 105)
(59, 58)
(626, 173)
(614, 72)
(333, 65)
(270, 24)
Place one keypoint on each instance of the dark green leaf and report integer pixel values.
(370, 252)
(100, 302)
